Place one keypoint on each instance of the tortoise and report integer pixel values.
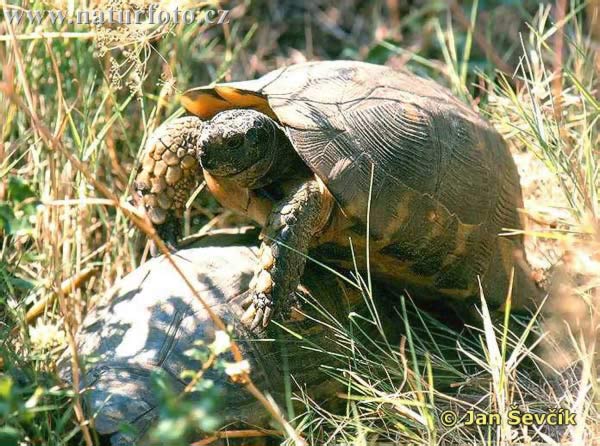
(359, 166)
(150, 319)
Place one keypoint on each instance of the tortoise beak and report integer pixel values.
(205, 161)
(206, 145)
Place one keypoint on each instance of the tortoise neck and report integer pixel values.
(285, 162)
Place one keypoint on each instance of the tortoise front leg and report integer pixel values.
(170, 172)
(291, 226)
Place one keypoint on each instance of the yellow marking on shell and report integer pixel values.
(411, 112)
(384, 266)
(206, 102)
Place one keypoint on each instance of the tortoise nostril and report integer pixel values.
(252, 136)
(205, 160)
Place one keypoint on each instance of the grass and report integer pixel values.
(94, 94)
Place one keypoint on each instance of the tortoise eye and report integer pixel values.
(234, 142)
(252, 136)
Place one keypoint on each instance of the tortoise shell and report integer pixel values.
(150, 319)
(434, 183)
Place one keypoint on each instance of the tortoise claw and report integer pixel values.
(267, 316)
(247, 302)
(248, 314)
(258, 319)
(258, 312)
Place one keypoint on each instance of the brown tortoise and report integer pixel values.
(322, 154)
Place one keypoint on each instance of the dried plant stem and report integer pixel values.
(559, 39)
(70, 330)
(49, 35)
(9, 91)
(244, 433)
(67, 286)
(199, 374)
(145, 226)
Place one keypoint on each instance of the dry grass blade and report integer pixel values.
(9, 92)
(146, 227)
(66, 287)
(230, 434)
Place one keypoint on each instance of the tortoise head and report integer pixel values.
(240, 144)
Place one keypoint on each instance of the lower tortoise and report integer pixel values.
(148, 323)
(357, 165)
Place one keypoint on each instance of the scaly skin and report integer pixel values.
(169, 174)
(240, 151)
(293, 223)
